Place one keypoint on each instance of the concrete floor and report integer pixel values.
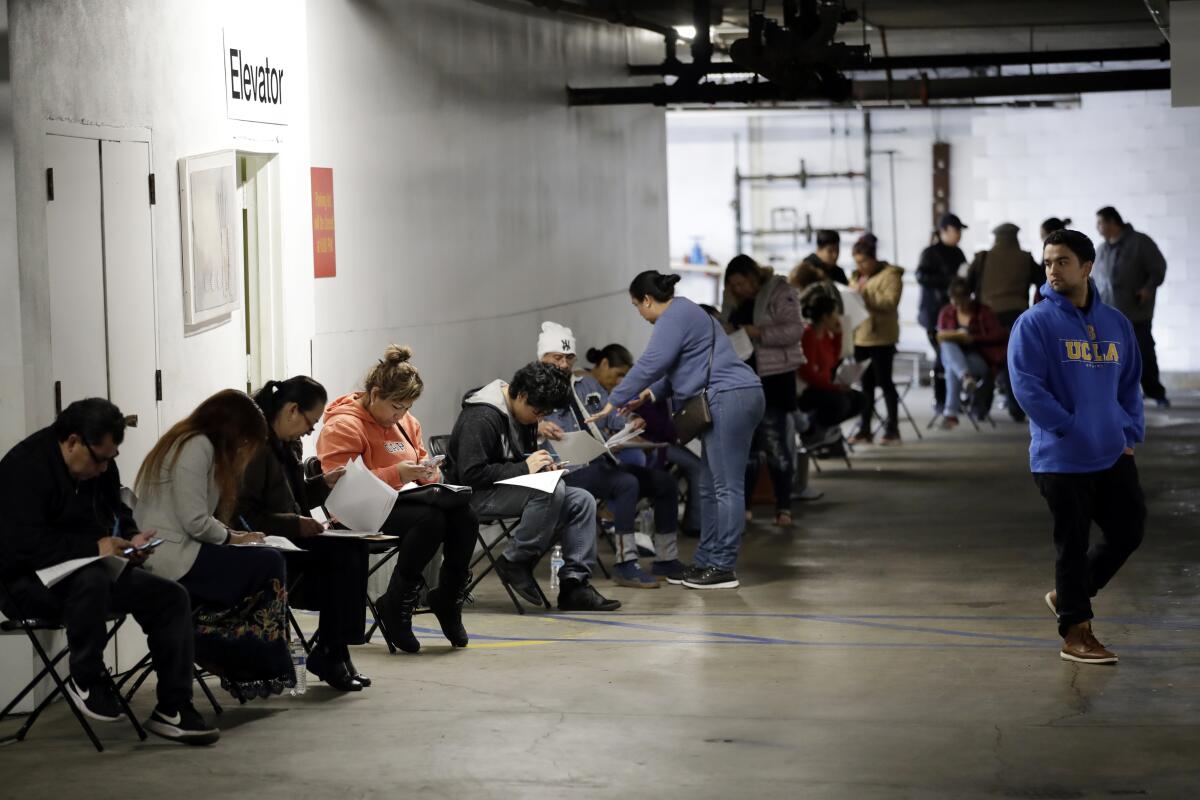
(894, 644)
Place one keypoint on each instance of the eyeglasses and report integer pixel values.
(312, 423)
(100, 460)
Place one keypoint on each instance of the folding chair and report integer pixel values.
(903, 387)
(145, 666)
(30, 625)
(967, 400)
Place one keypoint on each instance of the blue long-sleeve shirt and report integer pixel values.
(676, 359)
(1077, 373)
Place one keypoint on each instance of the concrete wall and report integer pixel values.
(1129, 150)
(141, 63)
(471, 202)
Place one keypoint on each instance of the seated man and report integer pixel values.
(972, 348)
(494, 439)
(619, 484)
(62, 496)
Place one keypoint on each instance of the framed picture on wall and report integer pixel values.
(212, 240)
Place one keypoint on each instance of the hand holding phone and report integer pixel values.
(142, 548)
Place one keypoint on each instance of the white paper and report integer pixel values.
(743, 348)
(360, 500)
(850, 372)
(579, 447)
(630, 431)
(277, 542)
(373, 536)
(318, 514)
(541, 481)
(52, 575)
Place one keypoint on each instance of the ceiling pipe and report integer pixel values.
(1160, 52)
(615, 14)
(905, 92)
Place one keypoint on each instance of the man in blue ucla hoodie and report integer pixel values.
(1076, 370)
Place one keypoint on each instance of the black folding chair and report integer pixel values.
(30, 625)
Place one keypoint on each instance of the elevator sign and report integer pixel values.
(257, 85)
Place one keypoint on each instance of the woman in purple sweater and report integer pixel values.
(676, 364)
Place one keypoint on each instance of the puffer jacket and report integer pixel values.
(881, 295)
(777, 315)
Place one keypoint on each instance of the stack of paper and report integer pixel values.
(579, 448)
(631, 431)
(541, 481)
(52, 575)
(360, 500)
(277, 542)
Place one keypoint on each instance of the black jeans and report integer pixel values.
(422, 529)
(1007, 319)
(1111, 498)
(330, 576)
(1151, 386)
(830, 408)
(879, 373)
(86, 599)
(939, 370)
(775, 438)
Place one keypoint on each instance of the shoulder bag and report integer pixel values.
(695, 417)
(439, 495)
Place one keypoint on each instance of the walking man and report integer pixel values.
(1129, 270)
(1075, 368)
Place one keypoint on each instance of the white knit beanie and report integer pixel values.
(555, 338)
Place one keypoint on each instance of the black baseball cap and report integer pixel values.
(951, 221)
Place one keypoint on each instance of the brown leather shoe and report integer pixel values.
(1082, 647)
(1052, 602)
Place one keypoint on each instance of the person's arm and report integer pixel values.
(478, 450)
(418, 443)
(263, 502)
(341, 441)
(786, 326)
(1028, 370)
(1153, 264)
(885, 294)
(188, 482)
(1129, 389)
(661, 353)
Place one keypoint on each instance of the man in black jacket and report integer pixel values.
(495, 439)
(61, 493)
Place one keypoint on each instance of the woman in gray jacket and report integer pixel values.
(188, 487)
(766, 307)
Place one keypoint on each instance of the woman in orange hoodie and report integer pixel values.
(375, 424)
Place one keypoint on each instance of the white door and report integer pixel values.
(75, 260)
(129, 287)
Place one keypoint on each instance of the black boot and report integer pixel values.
(396, 607)
(446, 602)
(329, 668)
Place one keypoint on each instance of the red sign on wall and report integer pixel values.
(324, 260)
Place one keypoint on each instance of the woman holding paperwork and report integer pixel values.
(327, 575)
(828, 401)
(376, 426)
(189, 488)
(879, 284)
(689, 356)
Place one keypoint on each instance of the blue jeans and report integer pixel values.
(693, 470)
(959, 363)
(725, 450)
(620, 487)
(568, 512)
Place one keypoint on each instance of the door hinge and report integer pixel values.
(152, 196)
(50, 183)
(158, 385)
(57, 398)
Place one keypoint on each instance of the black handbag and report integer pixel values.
(438, 495)
(695, 417)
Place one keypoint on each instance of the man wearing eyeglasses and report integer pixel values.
(61, 494)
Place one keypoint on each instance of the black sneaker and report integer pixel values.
(519, 576)
(576, 595)
(185, 726)
(98, 701)
(710, 578)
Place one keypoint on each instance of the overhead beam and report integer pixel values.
(1161, 52)
(904, 92)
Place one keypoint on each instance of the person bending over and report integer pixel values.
(1076, 369)
(189, 488)
(620, 484)
(328, 575)
(972, 350)
(494, 439)
(62, 496)
(377, 426)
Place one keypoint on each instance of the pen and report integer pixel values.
(245, 525)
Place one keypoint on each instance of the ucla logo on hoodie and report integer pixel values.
(1092, 354)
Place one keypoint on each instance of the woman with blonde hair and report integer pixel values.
(188, 487)
(375, 424)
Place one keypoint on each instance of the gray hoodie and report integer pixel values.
(487, 443)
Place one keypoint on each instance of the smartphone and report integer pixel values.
(150, 545)
(433, 461)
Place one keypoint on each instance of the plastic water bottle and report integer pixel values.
(697, 254)
(299, 662)
(644, 522)
(556, 563)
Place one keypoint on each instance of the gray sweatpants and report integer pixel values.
(568, 512)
